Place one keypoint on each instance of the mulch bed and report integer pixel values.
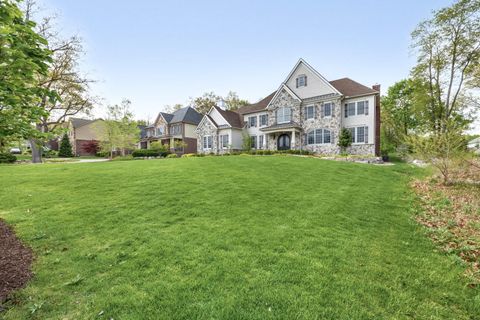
(15, 262)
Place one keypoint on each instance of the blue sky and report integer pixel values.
(159, 53)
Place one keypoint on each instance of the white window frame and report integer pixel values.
(302, 80)
(354, 131)
(254, 138)
(329, 104)
(206, 140)
(320, 134)
(283, 116)
(260, 140)
(312, 107)
(254, 118)
(263, 116)
(222, 144)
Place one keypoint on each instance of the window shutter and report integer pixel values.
(305, 81)
(322, 110)
(365, 130)
(305, 113)
(331, 136)
(346, 110)
(366, 108)
(297, 82)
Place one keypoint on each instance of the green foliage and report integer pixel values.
(65, 149)
(172, 155)
(345, 139)
(140, 153)
(233, 102)
(247, 141)
(7, 158)
(204, 103)
(24, 59)
(158, 146)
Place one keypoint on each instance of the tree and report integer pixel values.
(24, 58)
(246, 141)
(204, 103)
(345, 139)
(172, 109)
(233, 102)
(90, 147)
(65, 147)
(448, 62)
(71, 88)
(120, 130)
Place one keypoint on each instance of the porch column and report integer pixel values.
(293, 139)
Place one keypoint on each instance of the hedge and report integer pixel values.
(7, 158)
(140, 153)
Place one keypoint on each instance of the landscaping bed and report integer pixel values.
(15, 261)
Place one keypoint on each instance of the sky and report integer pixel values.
(159, 53)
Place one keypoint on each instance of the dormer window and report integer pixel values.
(301, 81)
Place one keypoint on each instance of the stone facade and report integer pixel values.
(206, 128)
(284, 99)
(361, 149)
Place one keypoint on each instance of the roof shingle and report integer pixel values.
(233, 118)
(259, 106)
(350, 88)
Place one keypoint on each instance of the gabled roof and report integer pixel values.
(79, 122)
(315, 72)
(283, 86)
(233, 118)
(206, 118)
(256, 107)
(188, 115)
(350, 88)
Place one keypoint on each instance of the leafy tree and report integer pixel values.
(448, 62)
(120, 131)
(24, 58)
(65, 147)
(233, 102)
(345, 139)
(64, 79)
(90, 147)
(172, 109)
(158, 146)
(204, 103)
(247, 141)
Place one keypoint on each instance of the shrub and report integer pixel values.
(7, 158)
(267, 152)
(172, 155)
(140, 153)
(345, 139)
(102, 154)
(227, 154)
(189, 155)
(90, 147)
(49, 153)
(65, 147)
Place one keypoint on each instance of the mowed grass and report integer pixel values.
(239, 237)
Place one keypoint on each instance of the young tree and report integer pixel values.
(448, 62)
(172, 109)
(233, 102)
(90, 147)
(345, 139)
(120, 131)
(24, 58)
(65, 147)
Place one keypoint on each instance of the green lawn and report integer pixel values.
(242, 237)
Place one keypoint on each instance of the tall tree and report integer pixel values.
(64, 78)
(24, 58)
(65, 147)
(233, 102)
(172, 109)
(448, 47)
(204, 103)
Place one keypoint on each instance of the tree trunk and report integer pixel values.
(36, 151)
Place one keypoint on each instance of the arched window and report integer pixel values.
(319, 136)
(284, 114)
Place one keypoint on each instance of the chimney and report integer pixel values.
(376, 87)
(221, 104)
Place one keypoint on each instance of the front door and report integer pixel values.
(283, 142)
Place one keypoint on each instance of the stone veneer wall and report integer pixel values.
(207, 129)
(361, 149)
(332, 123)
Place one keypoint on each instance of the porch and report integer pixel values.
(283, 136)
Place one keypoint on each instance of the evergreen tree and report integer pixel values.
(65, 147)
(345, 139)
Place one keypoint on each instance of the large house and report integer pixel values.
(177, 130)
(306, 112)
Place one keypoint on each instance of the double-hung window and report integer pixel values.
(359, 134)
(301, 81)
(253, 142)
(356, 108)
(327, 109)
(319, 136)
(349, 109)
(309, 112)
(252, 122)
(284, 114)
(224, 141)
(263, 120)
(207, 142)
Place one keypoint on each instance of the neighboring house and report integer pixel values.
(220, 131)
(170, 129)
(308, 112)
(83, 131)
(474, 145)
